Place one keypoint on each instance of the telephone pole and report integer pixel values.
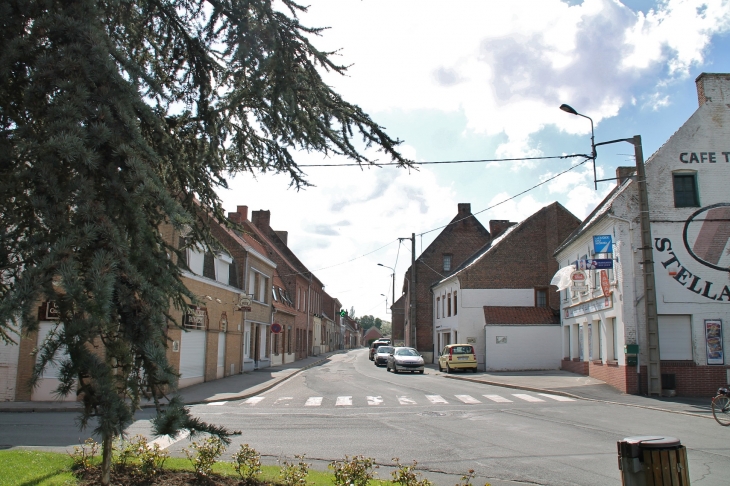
(410, 328)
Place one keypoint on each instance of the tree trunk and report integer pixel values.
(106, 459)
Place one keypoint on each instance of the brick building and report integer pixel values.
(689, 206)
(398, 312)
(499, 299)
(457, 241)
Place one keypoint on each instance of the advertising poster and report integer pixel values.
(713, 336)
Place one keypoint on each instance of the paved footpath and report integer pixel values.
(554, 382)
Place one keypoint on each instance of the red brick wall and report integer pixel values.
(693, 380)
(580, 367)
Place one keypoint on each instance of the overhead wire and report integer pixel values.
(470, 161)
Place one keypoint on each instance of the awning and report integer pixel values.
(561, 279)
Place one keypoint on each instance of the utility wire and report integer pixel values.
(341, 263)
(448, 161)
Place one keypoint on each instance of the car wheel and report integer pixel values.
(448, 369)
(474, 370)
(387, 367)
(395, 369)
(440, 368)
(420, 371)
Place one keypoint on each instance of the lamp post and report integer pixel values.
(393, 275)
(650, 304)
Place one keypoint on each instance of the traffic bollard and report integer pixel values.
(652, 461)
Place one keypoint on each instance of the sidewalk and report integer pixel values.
(234, 387)
(558, 382)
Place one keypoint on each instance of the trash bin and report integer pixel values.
(652, 461)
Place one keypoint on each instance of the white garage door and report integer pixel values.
(675, 338)
(192, 357)
(8, 370)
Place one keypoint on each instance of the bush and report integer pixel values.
(205, 454)
(141, 458)
(247, 462)
(356, 471)
(406, 476)
(83, 455)
(295, 474)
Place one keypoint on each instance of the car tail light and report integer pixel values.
(451, 354)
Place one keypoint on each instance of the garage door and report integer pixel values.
(675, 338)
(8, 371)
(46, 389)
(192, 358)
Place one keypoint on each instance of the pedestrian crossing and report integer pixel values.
(375, 401)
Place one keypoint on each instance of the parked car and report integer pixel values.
(376, 344)
(405, 359)
(381, 355)
(458, 357)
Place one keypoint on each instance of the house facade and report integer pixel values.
(689, 209)
(500, 299)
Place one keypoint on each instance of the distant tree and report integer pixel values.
(352, 313)
(386, 329)
(115, 118)
(366, 322)
(377, 322)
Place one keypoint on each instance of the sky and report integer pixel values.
(475, 80)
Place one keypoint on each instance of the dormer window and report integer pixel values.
(447, 263)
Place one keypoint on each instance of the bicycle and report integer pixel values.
(721, 407)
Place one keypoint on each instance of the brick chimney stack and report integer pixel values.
(713, 88)
(497, 226)
(261, 218)
(623, 173)
(464, 209)
(240, 215)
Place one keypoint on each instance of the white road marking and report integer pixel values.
(497, 398)
(374, 400)
(313, 402)
(557, 397)
(343, 401)
(406, 401)
(467, 399)
(283, 400)
(527, 398)
(436, 399)
(166, 441)
(215, 404)
(253, 401)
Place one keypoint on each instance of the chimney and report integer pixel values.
(497, 226)
(235, 217)
(261, 218)
(623, 173)
(283, 236)
(713, 88)
(464, 209)
(243, 211)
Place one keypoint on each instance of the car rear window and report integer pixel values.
(385, 349)
(462, 350)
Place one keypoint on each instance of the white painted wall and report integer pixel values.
(8, 370)
(499, 297)
(526, 348)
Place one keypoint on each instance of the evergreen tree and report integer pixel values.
(116, 117)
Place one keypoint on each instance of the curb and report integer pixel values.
(577, 397)
(77, 408)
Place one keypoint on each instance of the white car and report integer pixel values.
(405, 359)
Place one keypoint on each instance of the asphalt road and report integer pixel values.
(350, 407)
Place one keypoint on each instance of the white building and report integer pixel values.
(689, 210)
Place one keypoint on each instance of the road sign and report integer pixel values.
(602, 244)
(276, 328)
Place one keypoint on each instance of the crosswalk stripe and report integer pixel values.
(313, 402)
(343, 401)
(498, 398)
(467, 399)
(527, 398)
(406, 401)
(374, 400)
(283, 400)
(436, 399)
(253, 400)
(557, 397)
(214, 404)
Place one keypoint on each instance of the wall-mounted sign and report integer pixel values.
(276, 328)
(176, 346)
(579, 280)
(195, 318)
(53, 313)
(713, 337)
(589, 307)
(223, 322)
(602, 244)
(471, 340)
(595, 264)
(501, 339)
(605, 284)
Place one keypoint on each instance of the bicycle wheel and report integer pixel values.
(721, 409)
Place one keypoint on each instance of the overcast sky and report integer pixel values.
(483, 79)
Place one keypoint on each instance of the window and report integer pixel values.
(438, 307)
(540, 298)
(455, 306)
(447, 263)
(685, 191)
(448, 304)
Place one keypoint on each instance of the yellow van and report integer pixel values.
(458, 357)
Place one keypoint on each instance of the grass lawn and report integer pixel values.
(21, 467)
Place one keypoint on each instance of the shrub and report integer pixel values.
(247, 462)
(205, 454)
(406, 476)
(83, 455)
(140, 457)
(356, 471)
(295, 474)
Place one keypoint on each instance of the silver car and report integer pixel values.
(405, 359)
(381, 355)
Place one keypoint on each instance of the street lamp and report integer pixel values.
(384, 266)
(650, 303)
